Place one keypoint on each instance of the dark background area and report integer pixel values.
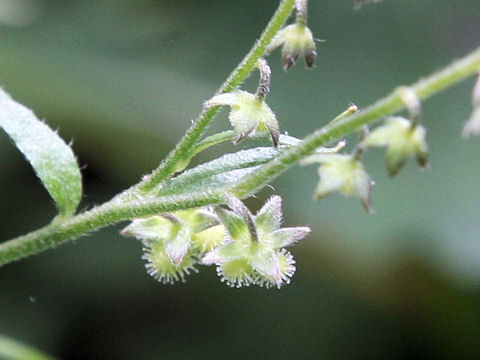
(122, 79)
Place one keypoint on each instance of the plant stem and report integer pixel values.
(117, 210)
(228, 135)
(183, 150)
(109, 213)
(264, 84)
(301, 11)
(215, 139)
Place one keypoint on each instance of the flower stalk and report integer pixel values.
(301, 8)
(264, 84)
(359, 149)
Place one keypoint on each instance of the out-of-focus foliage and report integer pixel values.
(124, 78)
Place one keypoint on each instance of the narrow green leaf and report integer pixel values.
(52, 159)
(225, 170)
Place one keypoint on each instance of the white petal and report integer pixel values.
(277, 41)
(227, 99)
(329, 181)
(288, 236)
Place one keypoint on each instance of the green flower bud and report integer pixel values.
(342, 173)
(402, 141)
(297, 40)
(252, 251)
(249, 115)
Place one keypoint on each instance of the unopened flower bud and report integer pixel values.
(249, 115)
(342, 173)
(401, 140)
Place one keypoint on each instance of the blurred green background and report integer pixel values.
(122, 79)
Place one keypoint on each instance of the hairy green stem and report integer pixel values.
(183, 151)
(109, 213)
(212, 140)
(117, 210)
(228, 135)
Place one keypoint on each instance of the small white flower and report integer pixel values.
(169, 248)
(254, 253)
(342, 173)
(401, 140)
(249, 115)
(297, 40)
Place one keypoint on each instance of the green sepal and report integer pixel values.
(234, 224)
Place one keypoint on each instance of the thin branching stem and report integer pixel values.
(183, 150)
(118, 210)
(212, 140)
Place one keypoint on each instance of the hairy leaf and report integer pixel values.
(225, 170)
(52, 159)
